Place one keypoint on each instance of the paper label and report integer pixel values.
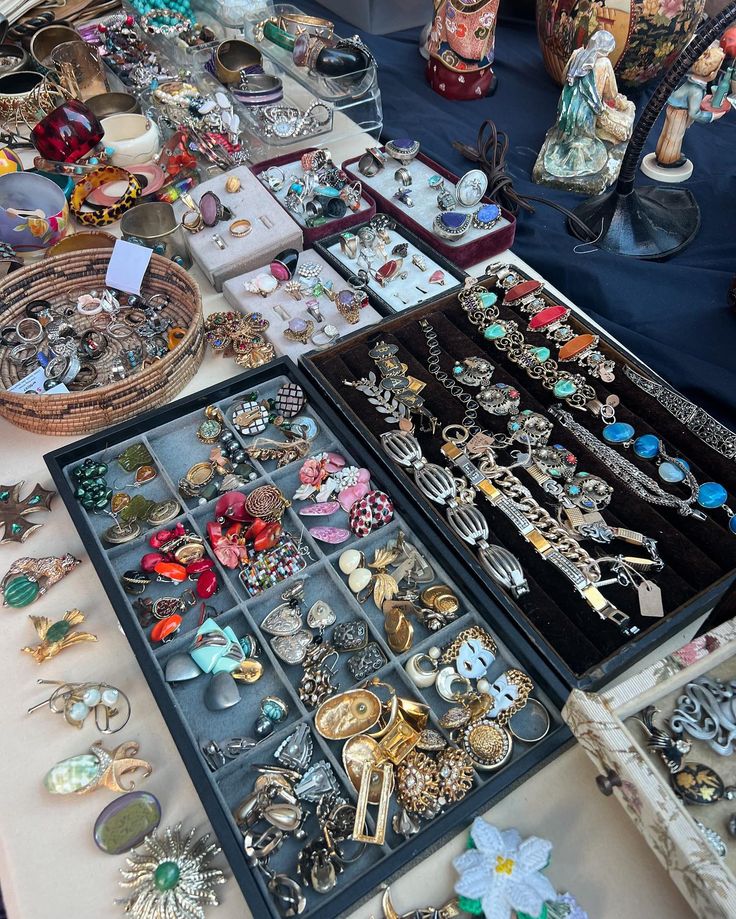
(33, 383)
(650, 599)
(127, 266)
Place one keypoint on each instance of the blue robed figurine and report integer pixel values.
(583, 150)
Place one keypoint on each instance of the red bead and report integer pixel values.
(158, 539)
(230, 506)
(255, 528)
(165, 628)
(521, 290)
(178, 530)
(548, 316)
(214, 532)
(203, 564)
(206, 585)
(129, 20)
(171, 570)
(268, 538)
(150, 560)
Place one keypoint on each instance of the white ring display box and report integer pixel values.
(608, 725)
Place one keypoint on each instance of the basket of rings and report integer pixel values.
(90, 356)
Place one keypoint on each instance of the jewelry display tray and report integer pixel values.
(605, 727)
(170, 435)
(699, 556)
(386, 299)
(291, 165)
(469, 249)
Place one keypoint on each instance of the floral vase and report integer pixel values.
(649, 34)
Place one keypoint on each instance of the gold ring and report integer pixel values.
(195, 222)
(240, 227)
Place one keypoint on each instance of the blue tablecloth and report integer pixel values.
(674, 314)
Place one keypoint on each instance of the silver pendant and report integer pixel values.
(320, 616)
(286, 619)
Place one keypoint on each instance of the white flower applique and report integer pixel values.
(503, 872)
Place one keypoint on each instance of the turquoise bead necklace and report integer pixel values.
(480, 307)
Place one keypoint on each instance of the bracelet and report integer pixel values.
(704, 426)
(180, 24)
(102, 176)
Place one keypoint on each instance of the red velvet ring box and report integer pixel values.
(312, 234)
(471, 248)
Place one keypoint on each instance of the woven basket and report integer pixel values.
(55, 279)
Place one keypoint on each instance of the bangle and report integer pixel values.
(99, 177)
(278, 36)
(22, 354)
(181, 23)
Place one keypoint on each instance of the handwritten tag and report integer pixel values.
(127, 266)
(33, 383)
(650, 599)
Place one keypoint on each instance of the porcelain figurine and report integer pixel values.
(649, 34)
(689, 104)
(582, 152)
(460, 48)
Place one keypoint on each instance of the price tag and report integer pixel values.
(127, 266)
(33, 383)
(650, 600)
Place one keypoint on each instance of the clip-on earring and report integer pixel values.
(422, 669)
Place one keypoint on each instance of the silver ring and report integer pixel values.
(275, 178)
(315, 312)
(219, 241)
(22, 354)
(56, 368)
(73, 367)
(324, 338)
(34, 336)
(403, 175)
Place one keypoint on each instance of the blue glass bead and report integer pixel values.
(618, 433)
(646, 446)
(669, 472)
(732, 523)
(712, 494)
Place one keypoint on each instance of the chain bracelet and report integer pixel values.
(455, 389)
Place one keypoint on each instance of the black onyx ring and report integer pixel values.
(451, 224)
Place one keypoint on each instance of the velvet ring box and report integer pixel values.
(244, 301)
(291, 166)
(272, 230)
(472, 247)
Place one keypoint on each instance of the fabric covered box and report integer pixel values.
(272, 230)
(608, 727)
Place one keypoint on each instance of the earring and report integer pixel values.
(316, 682)
(76, 700)
(448, 679)
(422, 669)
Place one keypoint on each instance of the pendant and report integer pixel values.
(286, 619)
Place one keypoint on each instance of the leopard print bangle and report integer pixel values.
(103, 176)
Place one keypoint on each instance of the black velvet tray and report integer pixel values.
(170, 435)
(700, 557)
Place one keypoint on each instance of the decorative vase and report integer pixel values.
(649, 34)
(460, 46)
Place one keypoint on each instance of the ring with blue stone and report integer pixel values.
(451, 224)
(402, 149)
(486, 216)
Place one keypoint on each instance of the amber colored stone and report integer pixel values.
(576, 346)
(145, 474)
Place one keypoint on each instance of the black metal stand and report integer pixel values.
(651, 222)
